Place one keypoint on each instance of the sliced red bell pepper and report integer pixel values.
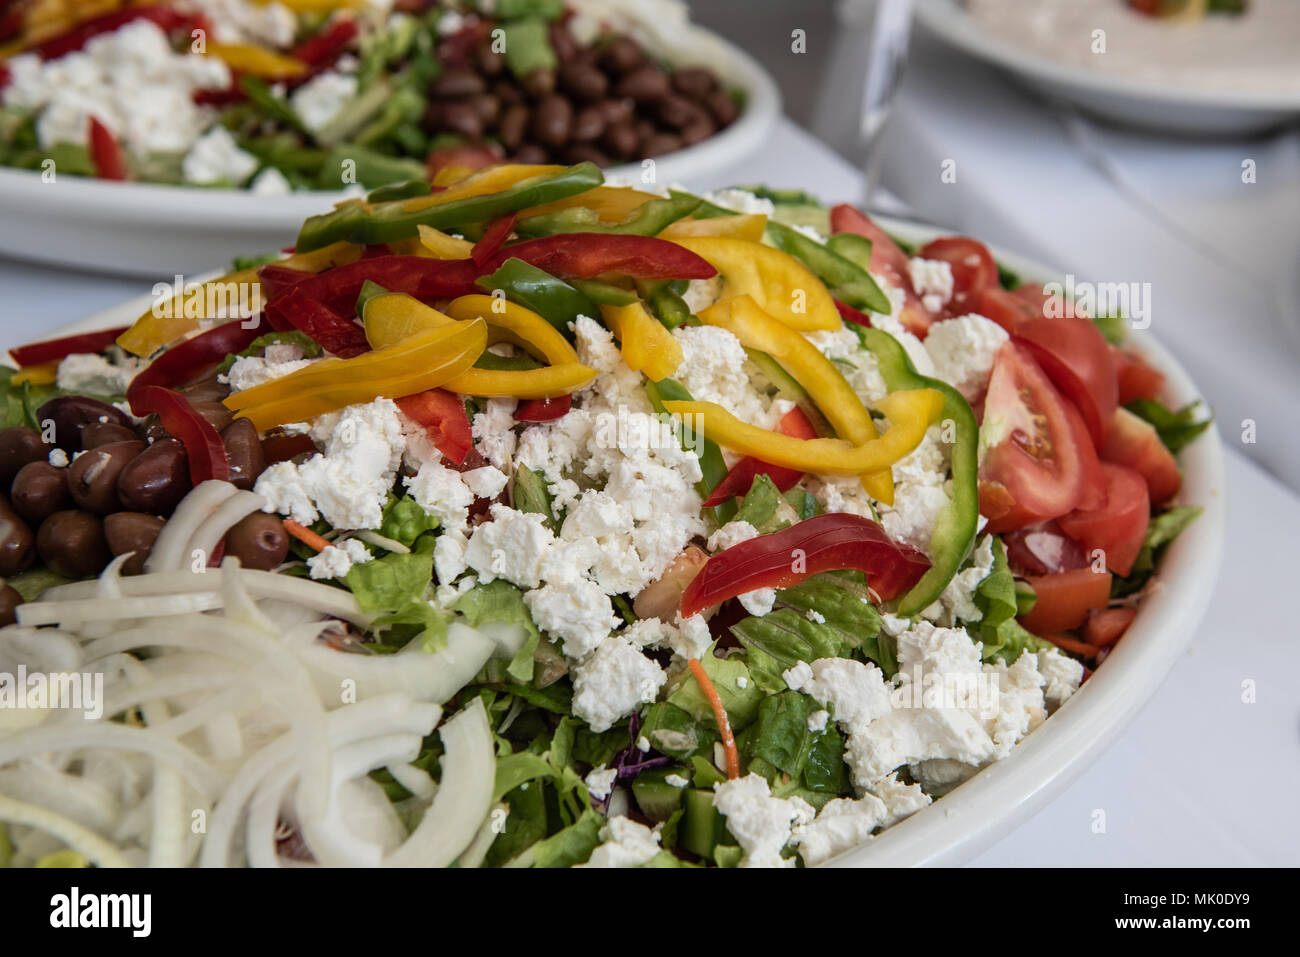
(234, 93)
(105, 151)
(327, 46)
(543, 410)
(830, 542)
(416, 276)
(189, 359)
(588, 255)
(276, 278)
(203, 445)
(849, 314)
(336, 334)
(50, 350)
(495, 237)
(164, 16)
(443, 418)
(741, 476)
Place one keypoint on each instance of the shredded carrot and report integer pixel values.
(305, 535)
(1073, 644)
(720, 715)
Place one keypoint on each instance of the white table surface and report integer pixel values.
(1201, 779)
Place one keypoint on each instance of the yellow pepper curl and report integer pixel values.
(646, 345)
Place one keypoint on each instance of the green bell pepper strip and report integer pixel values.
(369, 167)
(395, 191)
(391, 221)
(604, 293)
(712, 465)
(668, 305)
(650, 219)
(847, 280)
(260, 93)
(553, 299)
(955, 529)
(705, 209)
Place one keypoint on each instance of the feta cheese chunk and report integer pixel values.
(932, 280)
(600, 782)
(841, 825)
(216, 158)
(441, 492)
(963, 350)
(733, 533)
(337, 560)
(625, 843)
(582, 616)
(1061, 674)
(760, 823)
(93, 373)
(613, 682)
(322, 97)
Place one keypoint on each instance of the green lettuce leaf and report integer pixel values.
(727, 675)
(405, 520)
(571, 845)
(1176, 429)
(999, 601)
(500, 601)
(1164, 528)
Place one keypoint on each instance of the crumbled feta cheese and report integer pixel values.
(58, 458)
(582, 616)
(270, 182)
(90, 372)
(841, 825)
(963, 350)
(760, 823)
(713, 370)
(449, 555)
(625, 844)
(600, 782)
(932, 280)
(493, 432)
(814, 615)
(336, 560)
(248, 371)
(215, 157)
(817, 720)
(901, 800)
(322, 97)
(675, 780)
(758, 602)
(913, 346)
(741, 201)
(241, 21)
(733, 533)
(485, 482)
(1062, 675)
(513, 546)
(441, 492)
(957, 602)
(613, 681)
(702, 293)
(742, 682)
(854, 690)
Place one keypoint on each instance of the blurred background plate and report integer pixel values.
(139, 229)
(1154, 106)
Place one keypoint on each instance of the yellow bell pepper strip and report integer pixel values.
(644, 342)
(749, 227)
(319, 6)
(510, 322)
(910, 413)
(780, 284)
(818, 376)
(493, 179)
(424, 361)
(443, 245)
(257, 61)
(47, 373)
(548, 382)
(611, 204)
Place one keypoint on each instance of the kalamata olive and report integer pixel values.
(258, 541)
(621, 140)
(456, 82)
(487, 106)
(207, 389)
(15, 542)
(588, 124)
(508, 91)
(9, 602)
(584, 153)
(616, 110)
(539, 82)
(39, 490)
(530, 153)
(553, 120)
(95, 434)
(132, 532)
(490, 63)
(18, 446)
(461, 118)
(677, 112)
(621, 54)
(644, 128)
(644, 84)
(69, 413)
(563, 42)
(281, 447)
(661, 143)
(695, 82)
(244, 450)
(156, 479)
(723, 107)
(581, 79)
(92, 478)
(72, 544)
(699, 130)
(217, 415)
(513, 126)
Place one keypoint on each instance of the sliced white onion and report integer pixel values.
(75, 836)
(213, 529)
(171, 548)
(70, 614)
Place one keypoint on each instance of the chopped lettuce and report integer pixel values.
(999, 600)
(1164, 528)
(571, 845)
(728, 675)
(502, 602)
(405, 520)
(1176, 429)
(780, 746)
(310, 348)
(529, 494)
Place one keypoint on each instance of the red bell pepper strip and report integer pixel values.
(5, 77)
(49, 350)
(334, 333)
(543, 410)
(276, 278)
(231, 94)
(588, 255)
(203, 445)
(189, 359)
(105, 151)
(495, 237)
(327, 46)
(741, 476)
(849, 314)
(76, 38)
(416, 276)
(442, 416)
(830, 542)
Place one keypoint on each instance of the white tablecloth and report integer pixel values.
(1201, 778)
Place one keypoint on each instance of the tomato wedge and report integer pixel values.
(1137, 380)
(836, 540)
(1064, 599)
(1040, 462)
(106, 153)
(1135, 443)
(973, 268)
(1006, 309)
(888, 261)
(1077, 358)
(1105, 626)
(1042, 549)
(442, 415)
(1119, 526)
(543, 410)
(741, 476)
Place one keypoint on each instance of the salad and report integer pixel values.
(331, 94)
(521, 519)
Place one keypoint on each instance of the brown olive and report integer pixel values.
(92, 478)
(15, 542)
(216, 414)
(678, 112)
(132, 532)
(621, 54)
(72, 544)
(581, 79)
(461, 118)
(644, 84)
(661, 143)
(621, 139)
(723, 107)
(95, 434)
(553, 120)
(40, 490)
(9, 602)
(67, 414)
(698, 131)
(18, 446)
(616, 110)
(588, 124)
(563, 42)
(694, 82)
(509, 92)
(155, 480)
(207, 389)
(490, 63)
(258, 541)
(530, 153)
(486, 106)
(244, 450)
(539, 83)
(456, 82)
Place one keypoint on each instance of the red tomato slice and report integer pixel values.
(1065, 599)
(1042, 550)
(543, 410)
(1119, 525)
(973, 268)
(1006, 309)
(1076, 357)
(1137, 380)
(888, 261)
(1037, 469)
(105, 152)
(442, 415)
(1105, 626)
(1134, 442)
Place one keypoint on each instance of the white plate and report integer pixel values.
(156, 231)
(974, 816)
(1151, 106)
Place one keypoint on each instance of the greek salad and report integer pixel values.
(518, 518)
(341, 95)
